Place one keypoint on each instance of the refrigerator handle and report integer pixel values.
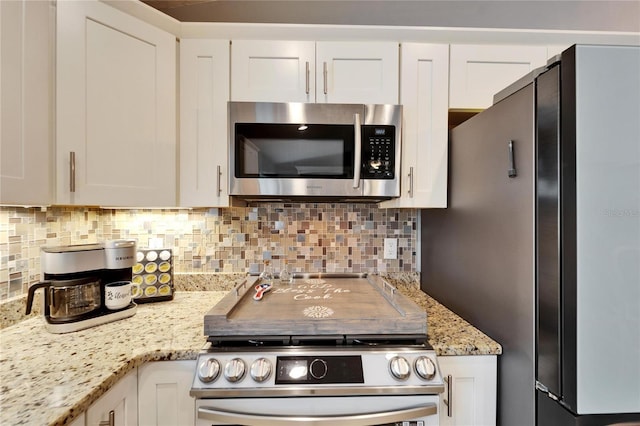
(512, 162)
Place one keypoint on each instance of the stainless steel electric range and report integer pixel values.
(323, 350)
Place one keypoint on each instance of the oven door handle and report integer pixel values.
(226, 416)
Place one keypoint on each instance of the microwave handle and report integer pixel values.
(358, 150)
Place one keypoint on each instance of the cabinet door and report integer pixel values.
(116, 97)
(424, 76)
(122, 399)
(163, 393)
(26, 88)
(478, 72)
(357, 72)
(204, 92)
(471, 390)
(272, 71)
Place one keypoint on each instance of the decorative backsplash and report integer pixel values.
(314, 237)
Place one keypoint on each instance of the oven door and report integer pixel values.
(385, 410)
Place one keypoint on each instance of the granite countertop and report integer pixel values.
(49, 379)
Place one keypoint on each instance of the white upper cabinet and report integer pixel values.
(424, 72)
(116, 108)
(357, 72)
(204, 92)
(26, 136)
(480, 71)
(273, 71)
(304, 71)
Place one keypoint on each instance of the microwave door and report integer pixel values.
(274, 159)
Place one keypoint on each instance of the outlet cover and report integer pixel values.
(390, 248)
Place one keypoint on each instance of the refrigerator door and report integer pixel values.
(548, 319)
(478, 254)
(588, 230)
(604, 281)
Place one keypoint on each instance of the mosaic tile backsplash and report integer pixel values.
(312, 237)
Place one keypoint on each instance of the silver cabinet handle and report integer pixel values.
(306, 73)
(512, 161)
(72, 171)
(411, 182)
(358, 148)
(324, 76)
(449, 401)
(236, 417)
(111, 421)
(218, 180)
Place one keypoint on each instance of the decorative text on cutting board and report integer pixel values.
(312, 291)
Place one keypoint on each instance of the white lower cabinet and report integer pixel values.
(470, 397)
(121, 400)
(163, 393)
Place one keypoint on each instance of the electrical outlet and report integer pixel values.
(390, 248)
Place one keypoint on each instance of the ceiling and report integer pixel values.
(588, 15)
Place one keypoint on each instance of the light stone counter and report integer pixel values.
(49, 379)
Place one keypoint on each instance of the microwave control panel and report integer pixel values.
(378, 148)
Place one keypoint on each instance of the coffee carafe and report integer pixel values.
(73, 279)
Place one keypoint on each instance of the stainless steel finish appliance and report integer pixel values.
(74, 277)
(329, 377)
(540, 244)
(305, 151)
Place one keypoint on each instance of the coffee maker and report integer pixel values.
(74, 277)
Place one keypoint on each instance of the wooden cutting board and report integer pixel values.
(323, 306)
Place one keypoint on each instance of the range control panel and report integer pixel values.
(312, 369)
(316, 371)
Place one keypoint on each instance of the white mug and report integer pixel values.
(117, 295)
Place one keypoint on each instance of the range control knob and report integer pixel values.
(425, 367)
(208, 370)
(234, 370)
(400, 368)
(260, 370)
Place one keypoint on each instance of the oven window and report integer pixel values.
(294, 151)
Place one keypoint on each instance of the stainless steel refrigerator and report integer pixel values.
(540, 244)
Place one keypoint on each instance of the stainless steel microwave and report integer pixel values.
(301, 151)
